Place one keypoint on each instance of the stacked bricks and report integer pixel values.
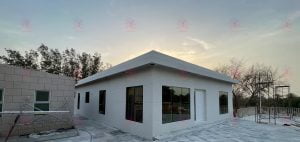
(19, 86)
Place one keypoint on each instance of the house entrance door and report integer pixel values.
(200, 105)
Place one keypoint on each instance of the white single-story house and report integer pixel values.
(154, 94)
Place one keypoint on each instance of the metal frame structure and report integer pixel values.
(272, 107)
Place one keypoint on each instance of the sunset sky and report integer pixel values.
(207, 33)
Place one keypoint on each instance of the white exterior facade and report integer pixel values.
(152, 77)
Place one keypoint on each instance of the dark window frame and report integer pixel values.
(87, 97)
(223, 102)
(41, 102)
(78, 101)
(134, 104)
(175, 106)
(102, 101)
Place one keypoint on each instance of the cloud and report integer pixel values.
(270, 34)
(14, 32)
(70, 37)
(285, 26)
(194, 42)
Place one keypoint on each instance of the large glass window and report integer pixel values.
(1, 100)
(134, 103)
(223, 102)
(87, 97)
(41, 101)
(78, 101)
(175, 104)
(102, 96)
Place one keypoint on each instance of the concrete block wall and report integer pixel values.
(19, 86)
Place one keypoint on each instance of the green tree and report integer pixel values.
(96, 64)
(31, 59)
(70, 63)
(45, 58)
(56, 61)
(13, 58)
(85, 64)
(51, 61)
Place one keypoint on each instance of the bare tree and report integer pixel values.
(253, 80)
(235, 69)
(257, 80)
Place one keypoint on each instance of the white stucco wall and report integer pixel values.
(116, 102)
(179, 79)
(152, 80)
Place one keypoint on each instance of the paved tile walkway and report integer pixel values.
(227, 131)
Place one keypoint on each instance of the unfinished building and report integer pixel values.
(33, 101)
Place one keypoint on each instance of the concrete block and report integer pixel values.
(41, 80)
(12, 77)
(21, 71)
(18, 99)
(2, 76)
(61, 82)
(23, 99)
(69, 82)
(53, 76)
(38, 73)
(6, 69)
(28, 92)
(53, 98)
(21, 85)
(28, 106)
(57, 105)
(62, 99)
(66, 77)
(2, 84)
(13, 92)
(30, 79)
(8, 84)
(57, 93)
(69, 93)
(51, 86)
(26, 79)
(61, 87)
(45, 80)
(71, 87)
(8, 99)
(37, 86)
(48, 80)
(12, 106)
(66, 87)
(55, 81)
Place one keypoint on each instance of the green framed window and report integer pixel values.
(42, 101)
